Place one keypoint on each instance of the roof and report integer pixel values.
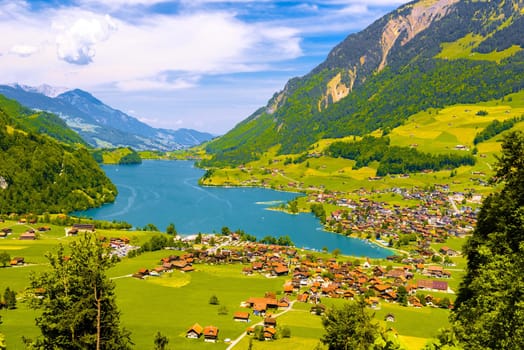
(195, 328)
(241, 314)
(210, 331)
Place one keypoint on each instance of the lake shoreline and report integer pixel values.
(163, 192)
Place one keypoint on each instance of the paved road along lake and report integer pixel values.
(164, 192)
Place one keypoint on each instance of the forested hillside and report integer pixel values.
(40, 174)
(427, 54)
(39, 122)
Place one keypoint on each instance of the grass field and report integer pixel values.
(432, 131)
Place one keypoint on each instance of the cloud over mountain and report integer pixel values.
(77, 43)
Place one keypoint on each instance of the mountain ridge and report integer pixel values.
(99, 124)
(369, 83)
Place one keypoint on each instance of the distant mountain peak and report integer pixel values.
(44, 89)
(99, 124)
(79, 94)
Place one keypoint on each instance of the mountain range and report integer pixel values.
(426, 54)
(98, 124)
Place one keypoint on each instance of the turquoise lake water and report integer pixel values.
(164, 192)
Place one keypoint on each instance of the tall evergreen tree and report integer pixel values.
(79, 308)
(489, 311)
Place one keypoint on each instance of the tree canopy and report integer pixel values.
(489, 311)
(351, 327)
(78, 305)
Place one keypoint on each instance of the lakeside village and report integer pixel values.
(416, 276)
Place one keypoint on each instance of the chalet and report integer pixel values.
(17, 261)
(280, 270)
(241, 316)
(373, 302)
(389, 318)
(28, 236)
(84, 227)
(269, 333)
(194, 332)
(304, 297)
(289, 288)
(448, 251)
(432, 285)
(270, 322)
(142, 273)
(250, 330)
(435, 271)
(318, 309)
(259, 309)
(188, 268)
(179, 264)
(211, 334)
(3, 234)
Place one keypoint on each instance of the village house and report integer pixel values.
(17, 261)
(241, 316)
(269, 333)
(210, 334)
(448, 251)
(28, 236)
(270, 322)
(194, 332)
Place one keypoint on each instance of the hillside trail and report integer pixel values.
(237, 340)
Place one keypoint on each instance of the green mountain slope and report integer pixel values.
(39, 174)
(40, 122)
(427, 54)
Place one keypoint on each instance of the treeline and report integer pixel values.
(282, 240)
(395, 159)
(495, 128)
(122, 156)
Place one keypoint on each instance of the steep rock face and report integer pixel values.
(356, 62)
(406, 27)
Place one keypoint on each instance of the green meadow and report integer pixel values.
(436, 131)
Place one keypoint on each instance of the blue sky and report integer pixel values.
(200, 64)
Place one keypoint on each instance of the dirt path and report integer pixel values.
(237, 340)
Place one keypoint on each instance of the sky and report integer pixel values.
(198, 64)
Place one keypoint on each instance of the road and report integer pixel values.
(237, 340)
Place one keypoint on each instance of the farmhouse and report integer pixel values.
(270, 322)
(448, 251)
(241, 316)
(28, 236)
(194, 332)
(17, 261)
(77, 228)
(440, 286)
(211, 334)
(269, 333)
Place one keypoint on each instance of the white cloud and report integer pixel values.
(23, 50)
(77, 43)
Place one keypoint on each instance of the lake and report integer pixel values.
(163, 192)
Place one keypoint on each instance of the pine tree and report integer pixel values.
(79, 309)
(489, 312)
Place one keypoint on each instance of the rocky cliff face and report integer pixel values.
(398, 28)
